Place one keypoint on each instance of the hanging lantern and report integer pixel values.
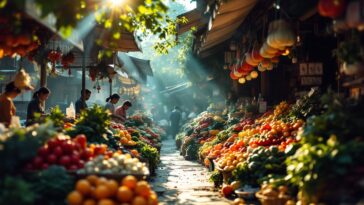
(261, 68)
(67, 60)
(286, 52)
(93, 73)
(232, 76)
(54, 56)
(237, 74)
(270, 66)
(248, 77)
(242, 80)
(254, 74)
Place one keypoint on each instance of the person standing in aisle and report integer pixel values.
(81, 103)
(7, 107)
(36, 105)
(121, 111)
(175, 119)
(111, 102)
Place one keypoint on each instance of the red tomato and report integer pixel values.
(43, 151)
(86, 154)
(331, 8)
(37, 162)
(52, 143)
(81, 164)
(52, 159)
(81, 140)
(44, 166)
(58, 151)
(73, 167)
(65, 160)
(75, 157)
(67, 147)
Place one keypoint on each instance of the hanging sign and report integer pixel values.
(311, 74)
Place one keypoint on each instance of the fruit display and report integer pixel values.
(99, 190)
(122, 164)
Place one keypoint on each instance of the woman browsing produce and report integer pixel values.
(37, 104)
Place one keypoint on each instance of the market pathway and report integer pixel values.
(183, 182)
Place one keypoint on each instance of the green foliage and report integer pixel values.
(52, 185)
(93, 122)
(19, 146)
(216, 177)
(349, 51)
(307, 106)
(14, 190)
(151, 154)
(56, 116)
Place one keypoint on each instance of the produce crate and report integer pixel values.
(267, 200)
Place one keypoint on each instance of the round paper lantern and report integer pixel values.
(248, 77)
(249, 60)
(270, 66)
(254, 74)
(237, 74)
(256, 56)
(242, 80)
(275, 60)
(286, 52)
(232, 76)
(261, 68)
(246, 67)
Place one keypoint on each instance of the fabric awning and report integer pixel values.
(195, 19)
(224, 21)
(138, 69)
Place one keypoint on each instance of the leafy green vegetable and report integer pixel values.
(20, 145)
(14, 190)
(56, 116)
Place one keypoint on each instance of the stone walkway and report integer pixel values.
(183, 182)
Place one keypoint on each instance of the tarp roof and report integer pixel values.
(224, 21)
(137, 68)
(195, 19)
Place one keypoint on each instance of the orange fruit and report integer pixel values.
(92, 179)
(153, 199)
(124, 140)
(124, 194)
(106, 202)
(130, 182)
(83, 186)
(74, 198)
(101, 181)
(102, 192)
(143, 189)
(113, 186)
(139, 201)
(227, 190)
(89, 202)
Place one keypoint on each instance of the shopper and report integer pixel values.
(7, 107)
(121, 111)
(175, 119)
(111, 102)
(36, 105)
(81, 103)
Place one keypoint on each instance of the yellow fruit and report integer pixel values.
(83, 186)
(153, 199)
(74, 198)
(142, 189)
(89, 202)
(106, 202)
(124, 194)
(139, 201)
(130, 182)
(102, 192)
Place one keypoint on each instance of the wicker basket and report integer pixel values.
(268, 200)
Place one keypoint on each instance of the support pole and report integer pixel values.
(43, 75)
(84, 72)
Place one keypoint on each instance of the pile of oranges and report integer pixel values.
(125, 138)
(101, 191)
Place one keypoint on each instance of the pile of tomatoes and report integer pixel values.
(69, 153)
(102, 191)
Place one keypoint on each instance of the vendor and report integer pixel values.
(37, 104)
(7, 107)
(81, 103)
(111, 102)
(121, 111)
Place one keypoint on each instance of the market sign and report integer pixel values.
(311, 74)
